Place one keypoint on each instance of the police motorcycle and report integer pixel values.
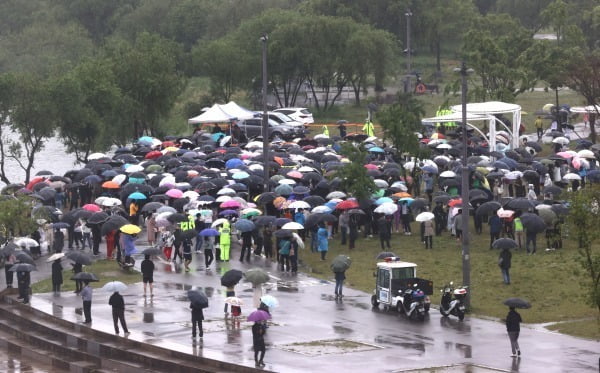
(453, 301)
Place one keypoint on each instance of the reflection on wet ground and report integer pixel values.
(9, 363)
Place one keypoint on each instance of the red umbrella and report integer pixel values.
(455, 202)
(34, 181)
(153, 154)
(91, 207)
(347, 205)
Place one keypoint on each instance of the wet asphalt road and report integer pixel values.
(311, 331)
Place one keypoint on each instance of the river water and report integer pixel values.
(52, 158)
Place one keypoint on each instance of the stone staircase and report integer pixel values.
(76, 348)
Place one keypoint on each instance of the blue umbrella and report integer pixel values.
(430, 169)
(145, 140)
(109, 173)
(383, 200)
(136, 180)
(408, 200)
(217, 136)
(284, 190)
(229, 213)
(209, 232)
(240, 175)
(331, 205)
(244, 225)
(234, 163)
(137, 195)
(376, 149)
(269, 300)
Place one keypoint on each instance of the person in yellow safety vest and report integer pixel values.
(325, 130)
(444, 111)
(368, 128)
(519, 233)
(187, 224)
(225, 240)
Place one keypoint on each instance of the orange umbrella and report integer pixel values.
(402, 195)
(278, 202)
(110, 185)
(278, 160)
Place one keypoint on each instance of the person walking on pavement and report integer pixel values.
(340, 276)
(258, 342)
(147, 268)
(24, 280)
(230, 292)
(118, 311)
(86, 296)
(246, 246)
(225, 241)
(57, 276)
(168, 239)
(504, 262)
(10, 259)
(197, 317)
(209, 244)
(187, 253)
(513, 327)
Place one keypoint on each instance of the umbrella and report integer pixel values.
(284, 233)
(244, 225)
(571, 176)
(114, 286)
(27, 242)
(347, 205)
(519, 204)
(292, 225)
(259, 315)
(164, 208)
(387, 208)
(22, 267)
(152, 206)
(386, 254)
(488, 208)
(97, 218)
(209, 232)
(299, 205)
(60, 225)
(504, 243)
(341, 263)
(231, 277)
(256, 276)
(424, 216)
(517, 303)
(151, 251)
(533, 223)
(79, 257)
(336, 194)
(198, 298)
(234, 301)
(547, 214)
(23, 257)
(218, 222)
(189, 234)
(264, 220)
(91, 207)
(137, 196)
(269, 300)
(561, 140)
(130, 229)
(85, 276)
(55, 256)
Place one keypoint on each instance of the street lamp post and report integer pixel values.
(466, 259)
(408, 14)
(265, 117)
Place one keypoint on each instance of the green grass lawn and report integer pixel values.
(549, 280)
(105, 270)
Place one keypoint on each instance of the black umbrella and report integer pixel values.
(315, 219)
(256, 276)
(151, 251)
(231, 277)
(24, 258)
(284, 233)
(533, 223)
(83, 214)
(505, 243)
(9, 248)
(189, 234)
(85, 276)
(60, 225)
(113, 223)
(488, 208)
(198, 298)
(519, 204)
(262, 221)
(419, 204)
(478, 195)
(315, 200)
(441, 199)
(281, 221)
(177, 218)
(341, 263)
(356, 212)
(554, 190)
(560, 209)
(98, 218)
(152, 206)
(79, 257)
(386, 254)
(517, 303)
(22, 267)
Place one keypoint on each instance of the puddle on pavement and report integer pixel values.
(328, 347)
(463, 368)
(340, 329)
(400, 342)
(465, 350)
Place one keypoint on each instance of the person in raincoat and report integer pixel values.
(57, 277)
(368, 128)
(225, 240)
(322, 239)
(129, 247)
(325, 130)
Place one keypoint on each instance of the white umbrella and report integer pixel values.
(400, 185)
(336, 194)
(287, 182)
(409, 165)
(113, 286)
(55, 256)
(424, 216)
(134, 168)
(192, 195)
(387, 208)
(561, 140)
(111, 202)
(513, 175)
(571, 176)
(292, 225)
(299, 205)
(444, 146)
(26, 241)
(321, 210)
(226, 192)
(167, 180)
(585, 153)
(218, 222)
(448, 174)
(93, 156)
(224, 140)
(99, 200)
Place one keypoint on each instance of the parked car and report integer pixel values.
(285, 119)
(300, 114)
(253, 128)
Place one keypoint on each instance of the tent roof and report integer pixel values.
(454, 117)
(222, 113)
(585, 109)
(490, 107)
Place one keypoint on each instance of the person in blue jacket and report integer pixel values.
(322, 240)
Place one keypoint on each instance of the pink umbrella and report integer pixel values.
(565, 155)
(576, 162)
(174, 193)
(91, 207)
(231, 204)
(295, 174)
(371, 166)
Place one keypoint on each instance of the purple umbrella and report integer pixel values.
(259, 315)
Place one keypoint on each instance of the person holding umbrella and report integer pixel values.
(10, 259)
(118, 311)
(24, 280)
(57, 276)
(86, 295)
(513, 328)
(258, 342)
(147, 268)
(198, 302)
(504, 262)
(339, 266)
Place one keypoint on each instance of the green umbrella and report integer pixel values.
(256, 276)
(341, 263)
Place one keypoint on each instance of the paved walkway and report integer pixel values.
(312, 332)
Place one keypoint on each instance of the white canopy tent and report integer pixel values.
(457, 117)
(222, 113)
(585, 109)
(491, 108)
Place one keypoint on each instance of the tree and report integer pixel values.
(89, 108)
(583, 76)
(28, 108)
(353, 174)
(401, 121)
(555, 16)
(148, 74)
(492, 47)
(15, 217)
(583, 220)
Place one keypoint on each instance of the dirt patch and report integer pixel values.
(328, 347)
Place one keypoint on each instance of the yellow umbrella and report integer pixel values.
(130, 229)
